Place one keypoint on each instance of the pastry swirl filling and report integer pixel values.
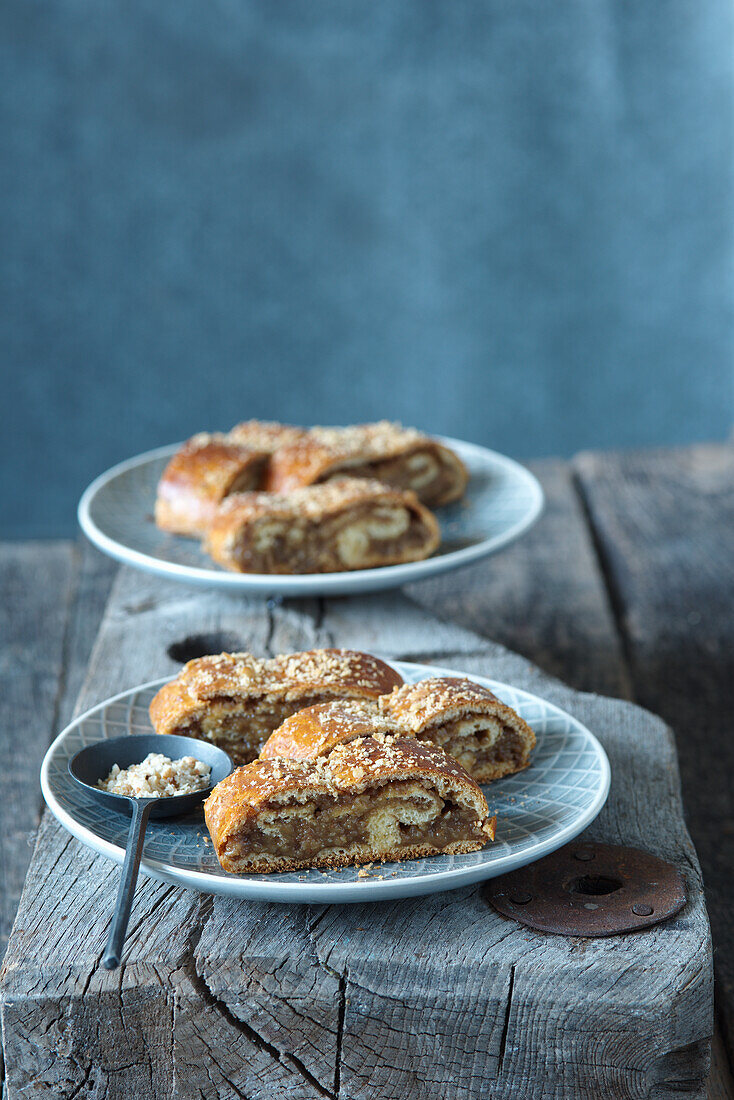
(434, 480)
(352, 826)
(331, 527)
(373, 798)
(480, 746)
(242, 728)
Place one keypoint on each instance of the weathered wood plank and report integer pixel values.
(51, 601)
(36, 584)
(542, 597)
(664, 522)
(94, 575)
(438, 996)
(720, 1085)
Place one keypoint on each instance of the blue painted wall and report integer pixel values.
(505, 220)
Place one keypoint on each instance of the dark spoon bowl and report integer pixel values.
(95, 762)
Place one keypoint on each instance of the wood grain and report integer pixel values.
(94, 574)
(36, 584)
(437, 996)
(542, 597)
(664, 522)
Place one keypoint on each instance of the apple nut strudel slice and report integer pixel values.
(199, 476)
(374, 798)
(315, 731)
(344, 524)
(485, 735)
(401, 457)
(236, 700)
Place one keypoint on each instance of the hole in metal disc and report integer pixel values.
(595, 885)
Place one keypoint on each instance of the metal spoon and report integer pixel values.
(94, 762)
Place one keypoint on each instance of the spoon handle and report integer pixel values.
(126, 891)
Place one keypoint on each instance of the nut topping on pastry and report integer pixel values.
(383, 798)
(315, 731)
(343, 524)
(397, 456)
(198, 478)
(236, 700)
(485, 735)
(264, 435)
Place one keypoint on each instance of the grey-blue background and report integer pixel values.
(505, 220)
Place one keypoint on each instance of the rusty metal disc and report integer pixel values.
(588, 889)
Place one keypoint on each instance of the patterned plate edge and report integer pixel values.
(324, 893)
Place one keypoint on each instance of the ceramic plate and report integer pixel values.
(116, 513)
(538, 810)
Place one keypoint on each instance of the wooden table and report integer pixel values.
(626, 588)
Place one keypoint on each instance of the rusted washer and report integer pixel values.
(588, 889)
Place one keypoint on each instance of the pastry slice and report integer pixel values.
(315, 731)
(345, 524)
(487, 737)
(198, 478)
(400, 457)
(236, 700)
(375, 798)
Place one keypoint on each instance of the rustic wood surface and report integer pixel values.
(664, 523)
(33, 620)
(544, 597)
(184, 985)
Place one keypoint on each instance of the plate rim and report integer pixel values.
(354, 581)
(324, 893)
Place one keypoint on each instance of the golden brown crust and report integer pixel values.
(288, 679)
(317, 730)
(366, 763)
(466, 719)
(426, 709)
(348, 523)
(199, 476)
(383, 450)
(264, 435)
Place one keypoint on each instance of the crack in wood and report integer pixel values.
(319, 617)
(83, 1083)
(342, 979)
(506, 1023)
(313, 925)
(438, 656)
(270, 609)
(340, 1032)
(206, 993)
(614, 595)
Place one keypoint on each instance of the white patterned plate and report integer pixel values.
(116, 514)
(538, 810)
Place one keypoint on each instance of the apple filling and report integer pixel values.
(379, 823)
(431, 478)
(485, 746)
(359, 538)
(242, 728)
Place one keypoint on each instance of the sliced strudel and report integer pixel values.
(198, 478)
(315, 731)
(375, 798)
(487, 737)
(345, 524)
(401, 457)
(236, 700)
